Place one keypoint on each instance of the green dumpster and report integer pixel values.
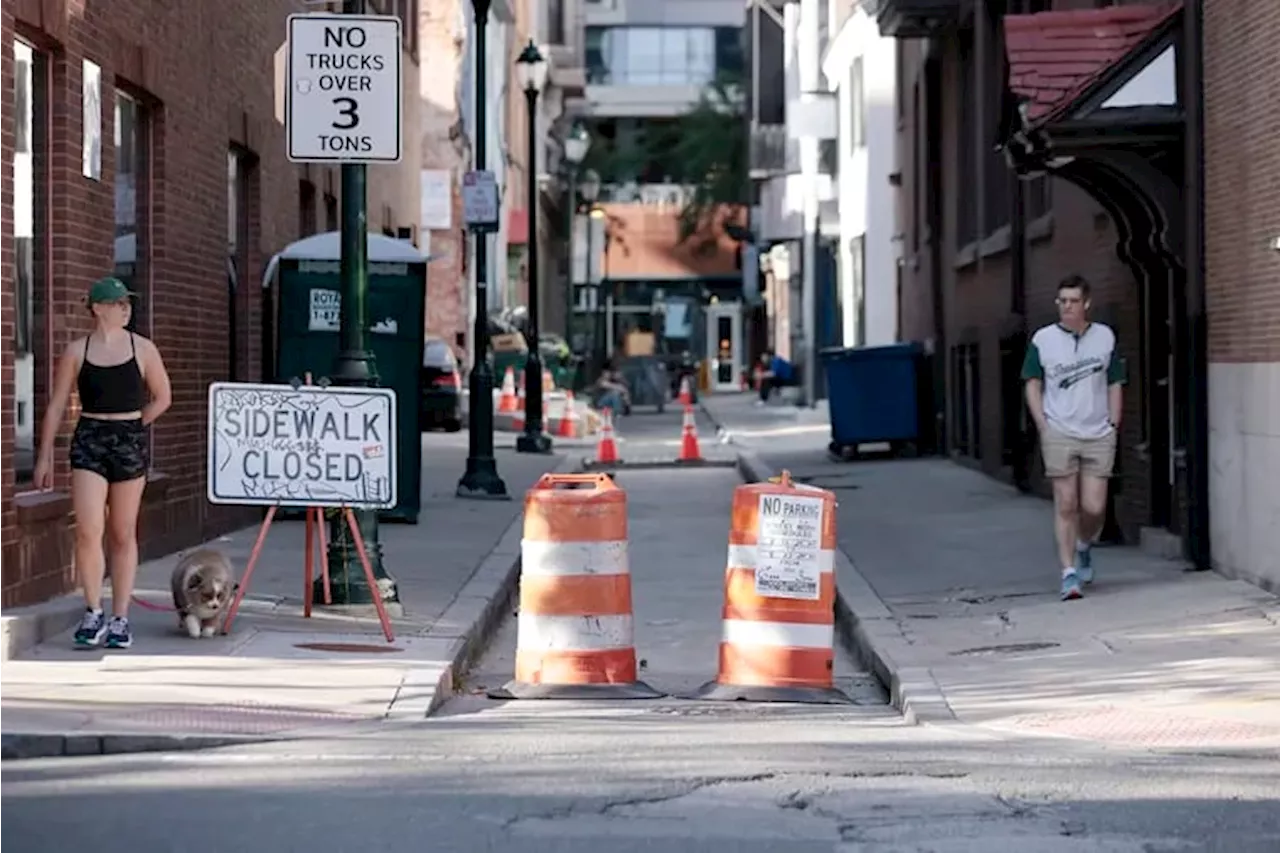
(306, 300)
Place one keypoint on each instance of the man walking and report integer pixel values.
(1074, 380)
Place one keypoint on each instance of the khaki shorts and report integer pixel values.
(1065, 455)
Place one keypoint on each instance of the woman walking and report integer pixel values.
(123, 388)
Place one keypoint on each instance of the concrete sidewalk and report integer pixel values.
(455, 570)
(953, 590)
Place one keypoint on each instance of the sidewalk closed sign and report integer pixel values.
(307, 446)
(788, 545)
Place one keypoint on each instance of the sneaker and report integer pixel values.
(92, 628)
(1071, 586)
(1084, 565)
(118, 634)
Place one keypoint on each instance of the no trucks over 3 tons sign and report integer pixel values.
(343, 89)
(306, 446)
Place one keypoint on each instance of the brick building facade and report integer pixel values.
(1095, 107)
(178, 182)
(1242, 279)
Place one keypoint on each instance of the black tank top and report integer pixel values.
(114, 390)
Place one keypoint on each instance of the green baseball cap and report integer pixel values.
(109, 289)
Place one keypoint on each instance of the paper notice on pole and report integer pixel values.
(788, 544)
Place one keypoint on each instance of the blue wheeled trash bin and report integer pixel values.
(873, 395)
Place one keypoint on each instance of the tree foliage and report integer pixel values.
(710, 143)
(704, 148)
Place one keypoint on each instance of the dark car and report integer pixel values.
(441, 383)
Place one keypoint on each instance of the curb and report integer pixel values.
(480, 605)
(479, 608)
(24, 627)
(867, 630)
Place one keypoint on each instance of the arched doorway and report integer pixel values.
(1112, 122)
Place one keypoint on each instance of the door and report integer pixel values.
(724, 346)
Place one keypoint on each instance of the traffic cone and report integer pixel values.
(686, 394)
(565, 428)
(689, 451)
(607, 447)
(575, 636)
(777, 637)
(507, 402)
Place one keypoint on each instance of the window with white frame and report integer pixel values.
(857, 106)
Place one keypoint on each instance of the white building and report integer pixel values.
(859, 66)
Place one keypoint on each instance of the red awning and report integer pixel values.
(517, 227)
(1055, 56)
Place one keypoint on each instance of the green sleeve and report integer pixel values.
(1116, 372)
(1031, 366)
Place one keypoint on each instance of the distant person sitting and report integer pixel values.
(612, 391)
(775, 372)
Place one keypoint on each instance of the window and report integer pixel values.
(555, 22)
(857, 106)
(239, 165)
(900, 77)
(32, 357)
(132, 129)
(858, 266)
(306, 208)
(997, 187)
(661, 56)
(967, 200)
(966, 400)
(330, 212)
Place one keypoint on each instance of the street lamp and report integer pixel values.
(576, 146)
(590, 190)
(481, 480)
(531, 71)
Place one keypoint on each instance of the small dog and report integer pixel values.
(203, 583)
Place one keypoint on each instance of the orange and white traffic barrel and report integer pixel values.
(575, 631)
(778, 621)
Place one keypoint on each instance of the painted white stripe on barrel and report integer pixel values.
(792, 635)
(560, 559)
(539, 633)
(746, 557)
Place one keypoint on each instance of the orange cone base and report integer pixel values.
(592, 675)
(524, 690)
(774, 675)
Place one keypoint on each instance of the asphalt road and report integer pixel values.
(653, 775)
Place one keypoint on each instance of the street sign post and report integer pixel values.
(343, 89)
(480, 201)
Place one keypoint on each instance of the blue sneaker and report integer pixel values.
(1071, 586)
(91, 630)
(118, 634)
(1084, 565)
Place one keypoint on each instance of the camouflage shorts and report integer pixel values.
(117, 451)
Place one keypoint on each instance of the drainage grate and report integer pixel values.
(832, 482)
(1006, 649)
(356, 648)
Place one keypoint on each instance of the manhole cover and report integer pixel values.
(356, 648)
(1006, 649)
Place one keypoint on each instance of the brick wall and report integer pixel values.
(1242, 274)
(207, 77)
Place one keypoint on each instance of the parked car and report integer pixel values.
(441, 383)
